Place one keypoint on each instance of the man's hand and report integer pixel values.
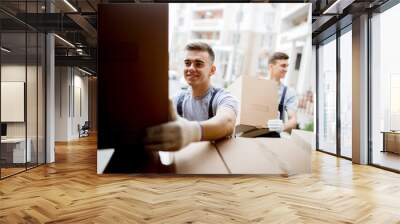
(173, 135)
(275, 125)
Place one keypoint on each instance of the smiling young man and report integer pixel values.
(277, 69)
(205, 113)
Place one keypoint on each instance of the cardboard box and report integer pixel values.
(266, 156)
(306, 136)
(258, 102)
(281, 156)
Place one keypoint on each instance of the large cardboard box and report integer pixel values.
(258, 102)
(271, 156)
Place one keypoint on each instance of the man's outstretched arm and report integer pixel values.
(221, 125)
(174, 135)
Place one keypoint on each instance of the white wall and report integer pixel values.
(80, 109)
(71, 93)
(61, 103)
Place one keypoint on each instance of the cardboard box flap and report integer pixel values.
(249, 131)
(293, 154)
(265, 156)
(244, 156)
(199, 158)
(305, 136)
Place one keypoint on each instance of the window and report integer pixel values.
(22, 66)
(327, 97)
(385, 88)
(346, 94)
(206, 35)
(208, 14)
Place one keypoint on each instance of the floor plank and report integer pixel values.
(70, 191)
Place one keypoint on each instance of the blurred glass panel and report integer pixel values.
(41, 98)
(346, 94)
(13, 84)
(32, 95)
(327, 97)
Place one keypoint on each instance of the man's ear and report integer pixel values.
(270, 66)
(213, 69)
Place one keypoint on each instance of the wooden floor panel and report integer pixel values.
(70, 191)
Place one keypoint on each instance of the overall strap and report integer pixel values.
(179, 104)
(210, 108)
(282, 103)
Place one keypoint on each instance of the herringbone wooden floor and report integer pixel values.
(70, 191)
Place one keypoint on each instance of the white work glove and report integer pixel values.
(173, 135)
(275, 125)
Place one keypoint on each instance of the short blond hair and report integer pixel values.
(201, 46)
(277, 56)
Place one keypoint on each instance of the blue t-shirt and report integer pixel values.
(196, 108)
